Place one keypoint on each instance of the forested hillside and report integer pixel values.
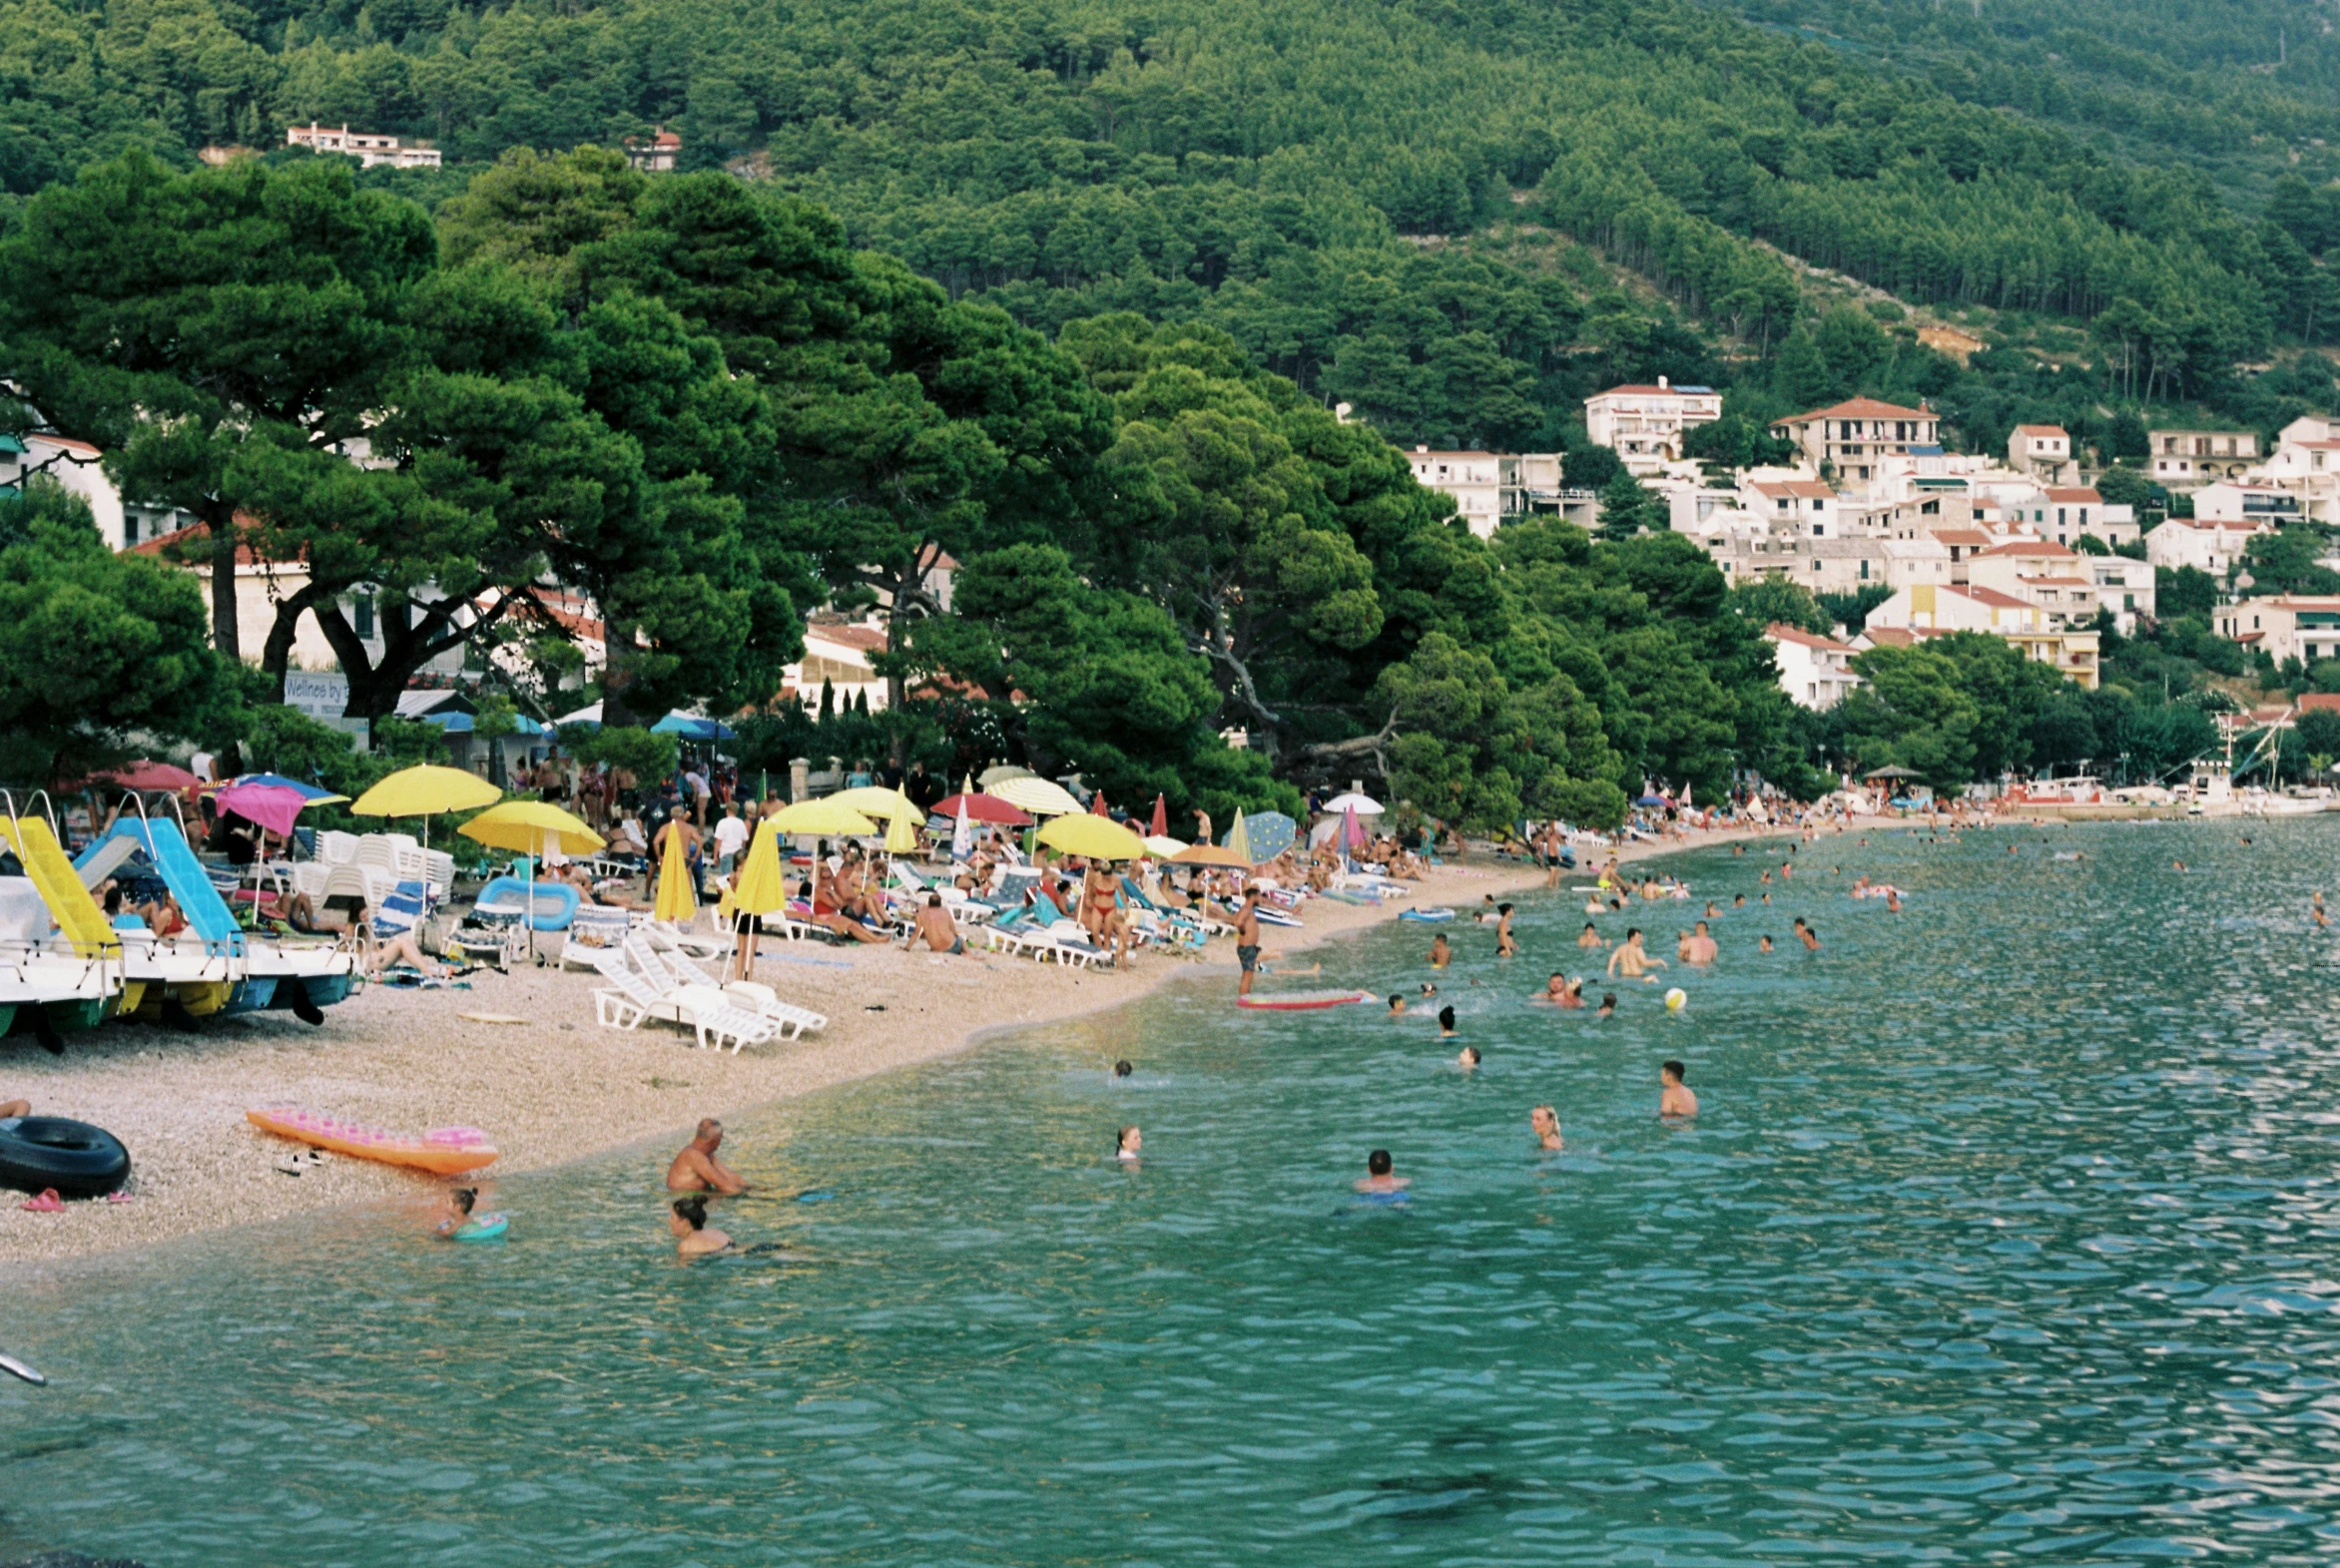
(1278, 168)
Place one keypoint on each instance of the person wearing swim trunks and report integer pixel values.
(1247, 939)
(933, 927)
(1441, 954)
(696, 1168)
(694, 1237)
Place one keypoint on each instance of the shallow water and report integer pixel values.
(2006, 1235)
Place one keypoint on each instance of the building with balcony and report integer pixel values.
(2185, 460)
(1644, 425)
(2208, 546)
(2285, 627)
(1473, 479)
(2044, 451)
(1854, 438)
(1924, 609)
(368, 148)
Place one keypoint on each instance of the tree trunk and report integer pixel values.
(224, 635)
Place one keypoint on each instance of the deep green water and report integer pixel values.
(2006, 1235)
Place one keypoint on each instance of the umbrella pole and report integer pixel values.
(529, 917)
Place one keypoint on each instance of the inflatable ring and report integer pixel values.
(480, 1228)
(80, 1161)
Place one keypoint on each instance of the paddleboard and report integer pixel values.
(1302, 1001)
(1427, 917)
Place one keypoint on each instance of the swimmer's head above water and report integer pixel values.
(1127, 1143)
(692, 1211)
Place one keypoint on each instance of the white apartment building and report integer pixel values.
(368, 148)
(1473, 479)
(1815, 672)
(2208, 546)
(2063, 513)
(2244, 501)
(2043, 451)
(2067, 588)
(1856, 437)
(2188, 459)
(2306, 464)
(1828, 566)
(1929, 608)
(1804, 507)
(1644, 425)
(2285, 627)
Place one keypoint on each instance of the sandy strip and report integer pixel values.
(557, 1089)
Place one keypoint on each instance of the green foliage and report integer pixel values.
(93, 646)
(643, 753)
(2126, 487)
(2285, 562)
(2184, 591)
(1770, 599)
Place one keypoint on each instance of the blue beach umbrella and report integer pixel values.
(308, 792)
(1270, 832)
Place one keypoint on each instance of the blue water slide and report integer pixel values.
(207, 912)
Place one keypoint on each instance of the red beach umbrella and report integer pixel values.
(983, 808)
(1097, 805)
(144, 774)
(1161, 824)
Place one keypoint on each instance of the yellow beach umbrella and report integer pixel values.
(528, 828)
(1208, 854)
(1164, 847)
(1239, 841)
(824, 817)
(1098, 837)
(876, 802)
(762, 886)
(676, 901)
(1037, 795)
(427, 791)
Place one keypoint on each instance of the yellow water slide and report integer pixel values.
(77, 915)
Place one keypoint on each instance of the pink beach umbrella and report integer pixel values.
(274, 807)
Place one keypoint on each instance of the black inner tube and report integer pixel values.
(78, 1159)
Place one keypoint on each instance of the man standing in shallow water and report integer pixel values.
(1247, 939)
(1673, 1096)
(696, 1170)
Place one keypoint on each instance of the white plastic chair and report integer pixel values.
(748, 994)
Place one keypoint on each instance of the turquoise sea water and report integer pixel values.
(2006, 1235)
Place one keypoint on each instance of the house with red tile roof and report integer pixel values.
(1644, 425)
(1854, 438)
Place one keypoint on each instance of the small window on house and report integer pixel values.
(129, 528)
(362, 612)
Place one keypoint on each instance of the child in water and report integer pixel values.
(459, 1203)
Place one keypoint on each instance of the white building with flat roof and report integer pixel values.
(1473, 479)
(2185, 460)
(2206, 545)
(2286, 626)
(1644, 425)
(368, 148)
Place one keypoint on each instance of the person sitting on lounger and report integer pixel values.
(933, 927)
(9, 1107)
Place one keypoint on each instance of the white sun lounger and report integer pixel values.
(633, 996)
(747, 995)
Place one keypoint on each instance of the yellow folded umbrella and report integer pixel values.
(824, 817)
(762, 885)
(426, 790)
(1098, 837)
(902, 834)
(528, 827)
(677, 899)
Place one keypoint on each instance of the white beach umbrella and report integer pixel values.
(1361, 804)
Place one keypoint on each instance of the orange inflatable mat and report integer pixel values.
(446, 1151)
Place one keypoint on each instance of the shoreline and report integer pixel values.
(561, 1089)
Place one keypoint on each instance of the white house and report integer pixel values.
(1815, 672)
(368, 148)
(1804, 507)
(1644, 425)
(2244, 501)
(1473, 479)
(2208, 545)
(2306, 464)
(2044, 451)
(2188, 459)
(2286, 626)
(1856, 437)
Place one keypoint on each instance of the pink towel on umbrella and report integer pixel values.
(274, 807)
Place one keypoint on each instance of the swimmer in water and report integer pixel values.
(1126, 1144)
(1805, 935)
(1673, 1096)
(2318, 911)
(1608, 1005)
(1428, 989)
(1893, 900)
(694, 1237)
(1447, 1030)
(1544, 1122)
(1467, 1058)
(1588, 937)
(2177, 865)
(1554, 990)
(1701, 949)
(1441, 954)
(1380, 1175)
(1122, 1069)
(1765, 948)
(1740, 902)
(460, 1204)
(1397, 1006)
(1711, 912)
(1634, 959)
(1505, 947)
(696, 1168)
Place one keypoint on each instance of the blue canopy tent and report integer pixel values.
(692, 727)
